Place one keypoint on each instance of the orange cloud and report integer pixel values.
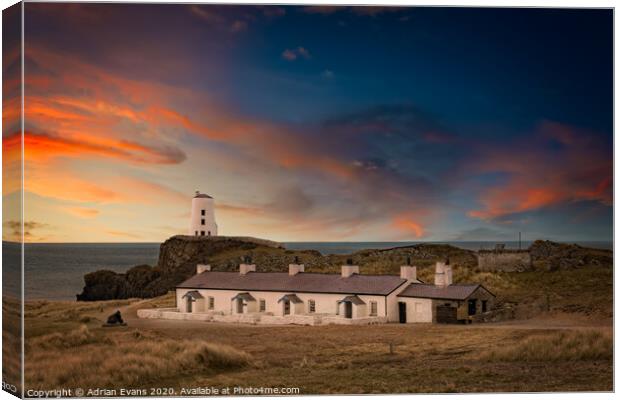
(407, 224)
(579, 169)
(123, 234)
(514, 199)
(82, 212)
(39, 147)
(86, 113)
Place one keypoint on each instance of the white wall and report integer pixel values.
(324, 303)
(418, 309)
(199, 204)
(392, 303)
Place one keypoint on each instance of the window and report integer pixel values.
(373, 308)
(202, 212)
(202, 233)
(262, 306)
(196, 233)
(484, 306)
(209, 233)
(337, 308)
(211, 302)
(202, 221)
(311, 306)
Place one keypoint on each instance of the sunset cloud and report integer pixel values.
(578, 168)
(30, 233)
(294, 54)
(123, 135)
(82, 212)
(407, 224)
(39, 147)
(122, 234)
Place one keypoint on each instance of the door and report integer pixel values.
(446, 314)
(348, 309)
(189, 304)
(239, 306)
(287, 307)
(402, 312)
(471, 307)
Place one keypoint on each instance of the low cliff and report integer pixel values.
(179, 255)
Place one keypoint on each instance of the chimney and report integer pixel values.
(294, 269)
(246, 266)
(408, 272)
(350, 269)
(440, 274)
(447, 272)
(200, 268)
(448, 275)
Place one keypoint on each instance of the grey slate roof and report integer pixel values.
(203, 196)
(244, 296)
(353, 299)
(194, 294)
(291, 297)
(452, 292)
(304, 282)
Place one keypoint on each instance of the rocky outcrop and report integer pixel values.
(554, 256)
(179, 255)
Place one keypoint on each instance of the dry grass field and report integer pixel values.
(568, 348)
(11, 342)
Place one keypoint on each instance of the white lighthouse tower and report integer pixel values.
(202, 222)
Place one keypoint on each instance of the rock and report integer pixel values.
(179, 255)
(115, 318)
(103, 285)
(559, 256)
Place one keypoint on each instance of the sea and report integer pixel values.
(55, 271)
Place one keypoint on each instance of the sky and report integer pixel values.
(311, 123)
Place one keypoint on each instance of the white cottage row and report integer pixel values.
(300, 297)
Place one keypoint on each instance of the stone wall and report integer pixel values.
(505, 260)
(258, 318)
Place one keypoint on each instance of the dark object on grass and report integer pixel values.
(115, 320)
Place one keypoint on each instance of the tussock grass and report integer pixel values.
(591, 345)
(71, 339)
(11, 341)
(125, 361)
(68, 310)
(167, 300)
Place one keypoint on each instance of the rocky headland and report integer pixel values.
(179, 255)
